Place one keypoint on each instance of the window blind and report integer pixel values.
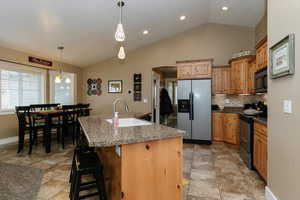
(20, 86)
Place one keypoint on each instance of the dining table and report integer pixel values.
(45, 115)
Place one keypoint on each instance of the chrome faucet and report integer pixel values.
(118, 100)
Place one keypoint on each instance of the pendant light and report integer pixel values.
(121, 54)
(58, 77)
(120, 34)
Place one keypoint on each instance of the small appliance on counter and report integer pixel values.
(247, 130)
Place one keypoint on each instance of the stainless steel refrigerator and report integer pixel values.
(194, 109)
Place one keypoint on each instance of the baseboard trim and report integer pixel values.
(269, 194)
(8, 140)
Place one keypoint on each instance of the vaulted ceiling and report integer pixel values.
(86, 27)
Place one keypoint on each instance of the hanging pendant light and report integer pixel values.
(59, 76)
(121, 54)
(120, 34)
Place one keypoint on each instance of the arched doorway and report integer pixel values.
(164, 77)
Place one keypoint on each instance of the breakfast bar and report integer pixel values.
(141, 160)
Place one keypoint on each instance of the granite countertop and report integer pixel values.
(261, 120)
(101, 133)
(230, 110)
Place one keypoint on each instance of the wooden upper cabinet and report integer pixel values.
(240, 69)
(251, 76)
(262, 54)
(221, 80)
(194, 69)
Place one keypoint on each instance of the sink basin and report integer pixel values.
(128, 122)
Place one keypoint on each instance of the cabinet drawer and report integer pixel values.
(260, 128)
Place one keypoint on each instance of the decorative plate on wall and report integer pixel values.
(94, 87)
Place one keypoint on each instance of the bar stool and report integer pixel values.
(86, 163)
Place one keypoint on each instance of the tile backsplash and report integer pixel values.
(237, 100)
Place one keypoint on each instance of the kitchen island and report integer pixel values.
(140, 162)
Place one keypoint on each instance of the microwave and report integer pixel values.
(261, 81)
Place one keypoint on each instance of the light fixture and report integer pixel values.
(121, 54)
(145, 32)
(182, 17)
(68, 80)
(58, 77)
(120, 34)
(225, 8)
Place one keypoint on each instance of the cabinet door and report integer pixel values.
(264, 158)
(231, 128)
(217, 80)
(233, 77)
(202, 70)
(256, 152)
(226, 80)
(218, 126)
(184, 72)
(251, 77)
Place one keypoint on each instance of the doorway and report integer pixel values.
(164, 92)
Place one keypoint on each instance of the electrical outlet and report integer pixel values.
(287, 106)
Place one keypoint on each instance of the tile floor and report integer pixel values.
(214, 172)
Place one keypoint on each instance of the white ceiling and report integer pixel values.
(86, 27)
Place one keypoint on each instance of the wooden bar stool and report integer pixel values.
(86, 163)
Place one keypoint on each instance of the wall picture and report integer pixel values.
(282, 57)
(115, 86)
(94, 87)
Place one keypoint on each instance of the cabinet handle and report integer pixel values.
(147, 147)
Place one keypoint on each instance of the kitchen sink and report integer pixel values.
(129, 122)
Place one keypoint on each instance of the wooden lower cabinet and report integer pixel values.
(260, 151)
(218, 134)
(144, 171)
(226, 127)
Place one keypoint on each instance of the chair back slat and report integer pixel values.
(23, 114)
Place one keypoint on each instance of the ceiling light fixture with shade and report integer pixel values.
(120, 34)
(59, 77)
(121, 54)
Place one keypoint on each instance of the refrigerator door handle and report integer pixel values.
(191, 106)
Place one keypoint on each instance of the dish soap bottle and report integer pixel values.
(116, 119)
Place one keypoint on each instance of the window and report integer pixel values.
(63, 92)
(20, 86)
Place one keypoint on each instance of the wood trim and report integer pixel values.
(221, 66)
(28, 65)
(191, 61)
(241, 58)
(252, 60)
(261, 42)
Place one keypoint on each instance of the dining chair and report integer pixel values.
(28, 124)
(35, 107)
(70, 120)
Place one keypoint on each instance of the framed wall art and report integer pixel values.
(282, 57)
(94, 87)
(115, 86)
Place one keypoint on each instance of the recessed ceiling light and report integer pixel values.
(145, 32)
(182, 17)
(224, 8)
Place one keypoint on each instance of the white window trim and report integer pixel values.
(52, 74)
(25, 69)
